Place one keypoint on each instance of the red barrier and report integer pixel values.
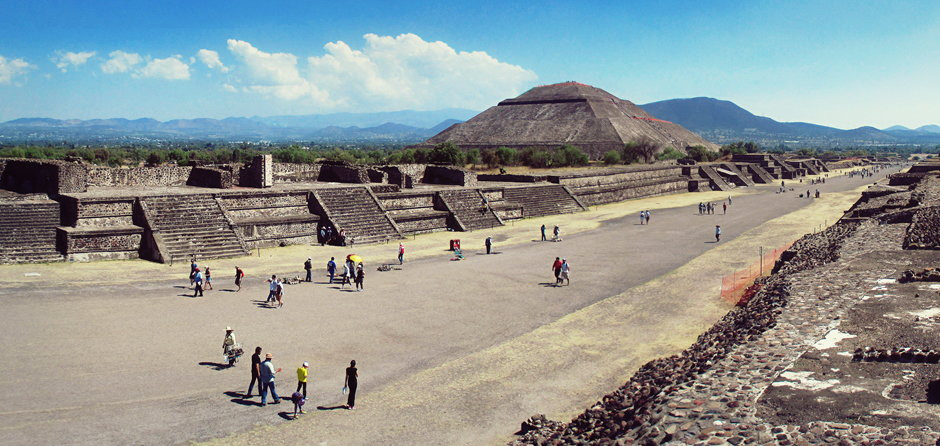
(738, 287)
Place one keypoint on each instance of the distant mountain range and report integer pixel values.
(383, 127)
(724, 121)
(716, 120)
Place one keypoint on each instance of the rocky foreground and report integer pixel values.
(781, 369)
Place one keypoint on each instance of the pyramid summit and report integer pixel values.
(550, 116)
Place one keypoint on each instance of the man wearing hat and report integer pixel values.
(267, 380)
(308, 265)
(302, 378)
(228, 344)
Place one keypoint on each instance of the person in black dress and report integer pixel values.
(352, 381)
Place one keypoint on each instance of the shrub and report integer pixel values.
(643, 149)
(569, 155)
(447, 153)
(535, 157)
(612, 157)
(472, 156)
(507, 156)
(670, 153)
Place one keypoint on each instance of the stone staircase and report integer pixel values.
(757, 173)
(191, 225)
(787, 171)
(357, 211)
(742, 179)
(538, 201)
(467, 206)
(28, 232)
(717, 182)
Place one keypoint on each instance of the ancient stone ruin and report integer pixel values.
(550, 116)
(57, 210)
(832, 349)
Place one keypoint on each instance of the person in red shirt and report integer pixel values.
(556, 267)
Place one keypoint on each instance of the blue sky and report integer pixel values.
(837, 63)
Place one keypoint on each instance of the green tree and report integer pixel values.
(535, 157)
(612, 157)
(507, 156)
(670, 153)
(472, 156)
(446, 153)
(641, 149)
(568, 155)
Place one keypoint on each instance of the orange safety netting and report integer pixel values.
(738, 287)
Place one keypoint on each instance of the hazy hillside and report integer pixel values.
(723, 121)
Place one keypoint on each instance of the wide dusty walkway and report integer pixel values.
(448, 352)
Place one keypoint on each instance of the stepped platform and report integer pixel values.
(469, 210)
(265, 219)
(99, 228)
(739, 178)
(28, 230)
(358, 212)
(538, 201)
(190, 226)
(758, 174)
(716, 181)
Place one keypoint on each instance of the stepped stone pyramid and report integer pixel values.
(550, 116)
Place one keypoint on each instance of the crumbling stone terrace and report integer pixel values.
(788, 367)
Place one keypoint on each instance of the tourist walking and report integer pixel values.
(347, 276)
(192, 271)
(238, 278)
(272, 289)
(555, 233)
(401, 253)
(556, 268)
(279, 295)
(208, 278)
(197, 279)
(331, 268)
(360, 275)
(302, 378)
(717, 233)
(351, 383)
(724, 208)
(565, 274)
(647, 216)
(267, 380)
(543, 233)
(489, 244)
(255, 372)
(729, 199)
(229, 344)
(308, 266)
(701, 208)
(642, 217)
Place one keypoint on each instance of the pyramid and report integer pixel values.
(550, 116)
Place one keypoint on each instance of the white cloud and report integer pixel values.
(211, 59)
(170, 68)
(387, 73)
(10, 69)
(229, 88)
(120, 62)
(69, 59)
(275, 74)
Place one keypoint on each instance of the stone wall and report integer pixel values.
(627, 191)
(407, 200)
(449, 175)
(343, 173)
(512, 178)
(158, 176)
(420, 222)
(296, 173)
(43, 176)
(214, 177)
(86, 244)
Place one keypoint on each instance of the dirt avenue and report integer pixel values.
(448, 352)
